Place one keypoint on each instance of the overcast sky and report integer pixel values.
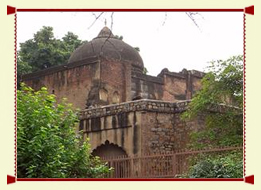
(166, 40)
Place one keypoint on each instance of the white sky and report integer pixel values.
(175, 45)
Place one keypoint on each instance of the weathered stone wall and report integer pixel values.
(165, 132)
(182, 85)
(107, 87)
(115, 79)
(87, 84)
(73, 83)
(175, 88)
(167, 86)
(138, 127)
(99, 81)
(146, 86)
(120, 128)
(196, 84)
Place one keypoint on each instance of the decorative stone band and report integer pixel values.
(138, 105)
(148, 105)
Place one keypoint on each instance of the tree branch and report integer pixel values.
(96, 18)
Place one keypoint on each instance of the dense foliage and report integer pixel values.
(44, 51)
(47, 144)
(228, 166)
(222, 85)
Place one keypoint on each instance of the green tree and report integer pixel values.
(69, 43)
(222, 85)
(47, 144)
(44, 51)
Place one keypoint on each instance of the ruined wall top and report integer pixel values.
(138, 105)
(181, 74)
(147, 105)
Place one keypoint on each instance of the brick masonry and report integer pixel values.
(120, 104)
(139, 127)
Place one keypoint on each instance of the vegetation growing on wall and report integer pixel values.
(47, 144)
(222, 85)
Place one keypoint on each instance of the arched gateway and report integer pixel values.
(109, 150)
(110, 153)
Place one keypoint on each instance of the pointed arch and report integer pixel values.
(116, 97)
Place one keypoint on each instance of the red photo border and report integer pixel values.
(246, 10)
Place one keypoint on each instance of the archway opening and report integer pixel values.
(109, 150)
(116, 158)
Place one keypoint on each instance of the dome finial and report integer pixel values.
(105, 33)
(105, 22)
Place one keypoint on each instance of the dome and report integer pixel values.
(106, 45)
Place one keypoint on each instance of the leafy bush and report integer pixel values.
(47, 145)
(229, 166)
(222, 85)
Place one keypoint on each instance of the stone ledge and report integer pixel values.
(146, 105)
(138, 105)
